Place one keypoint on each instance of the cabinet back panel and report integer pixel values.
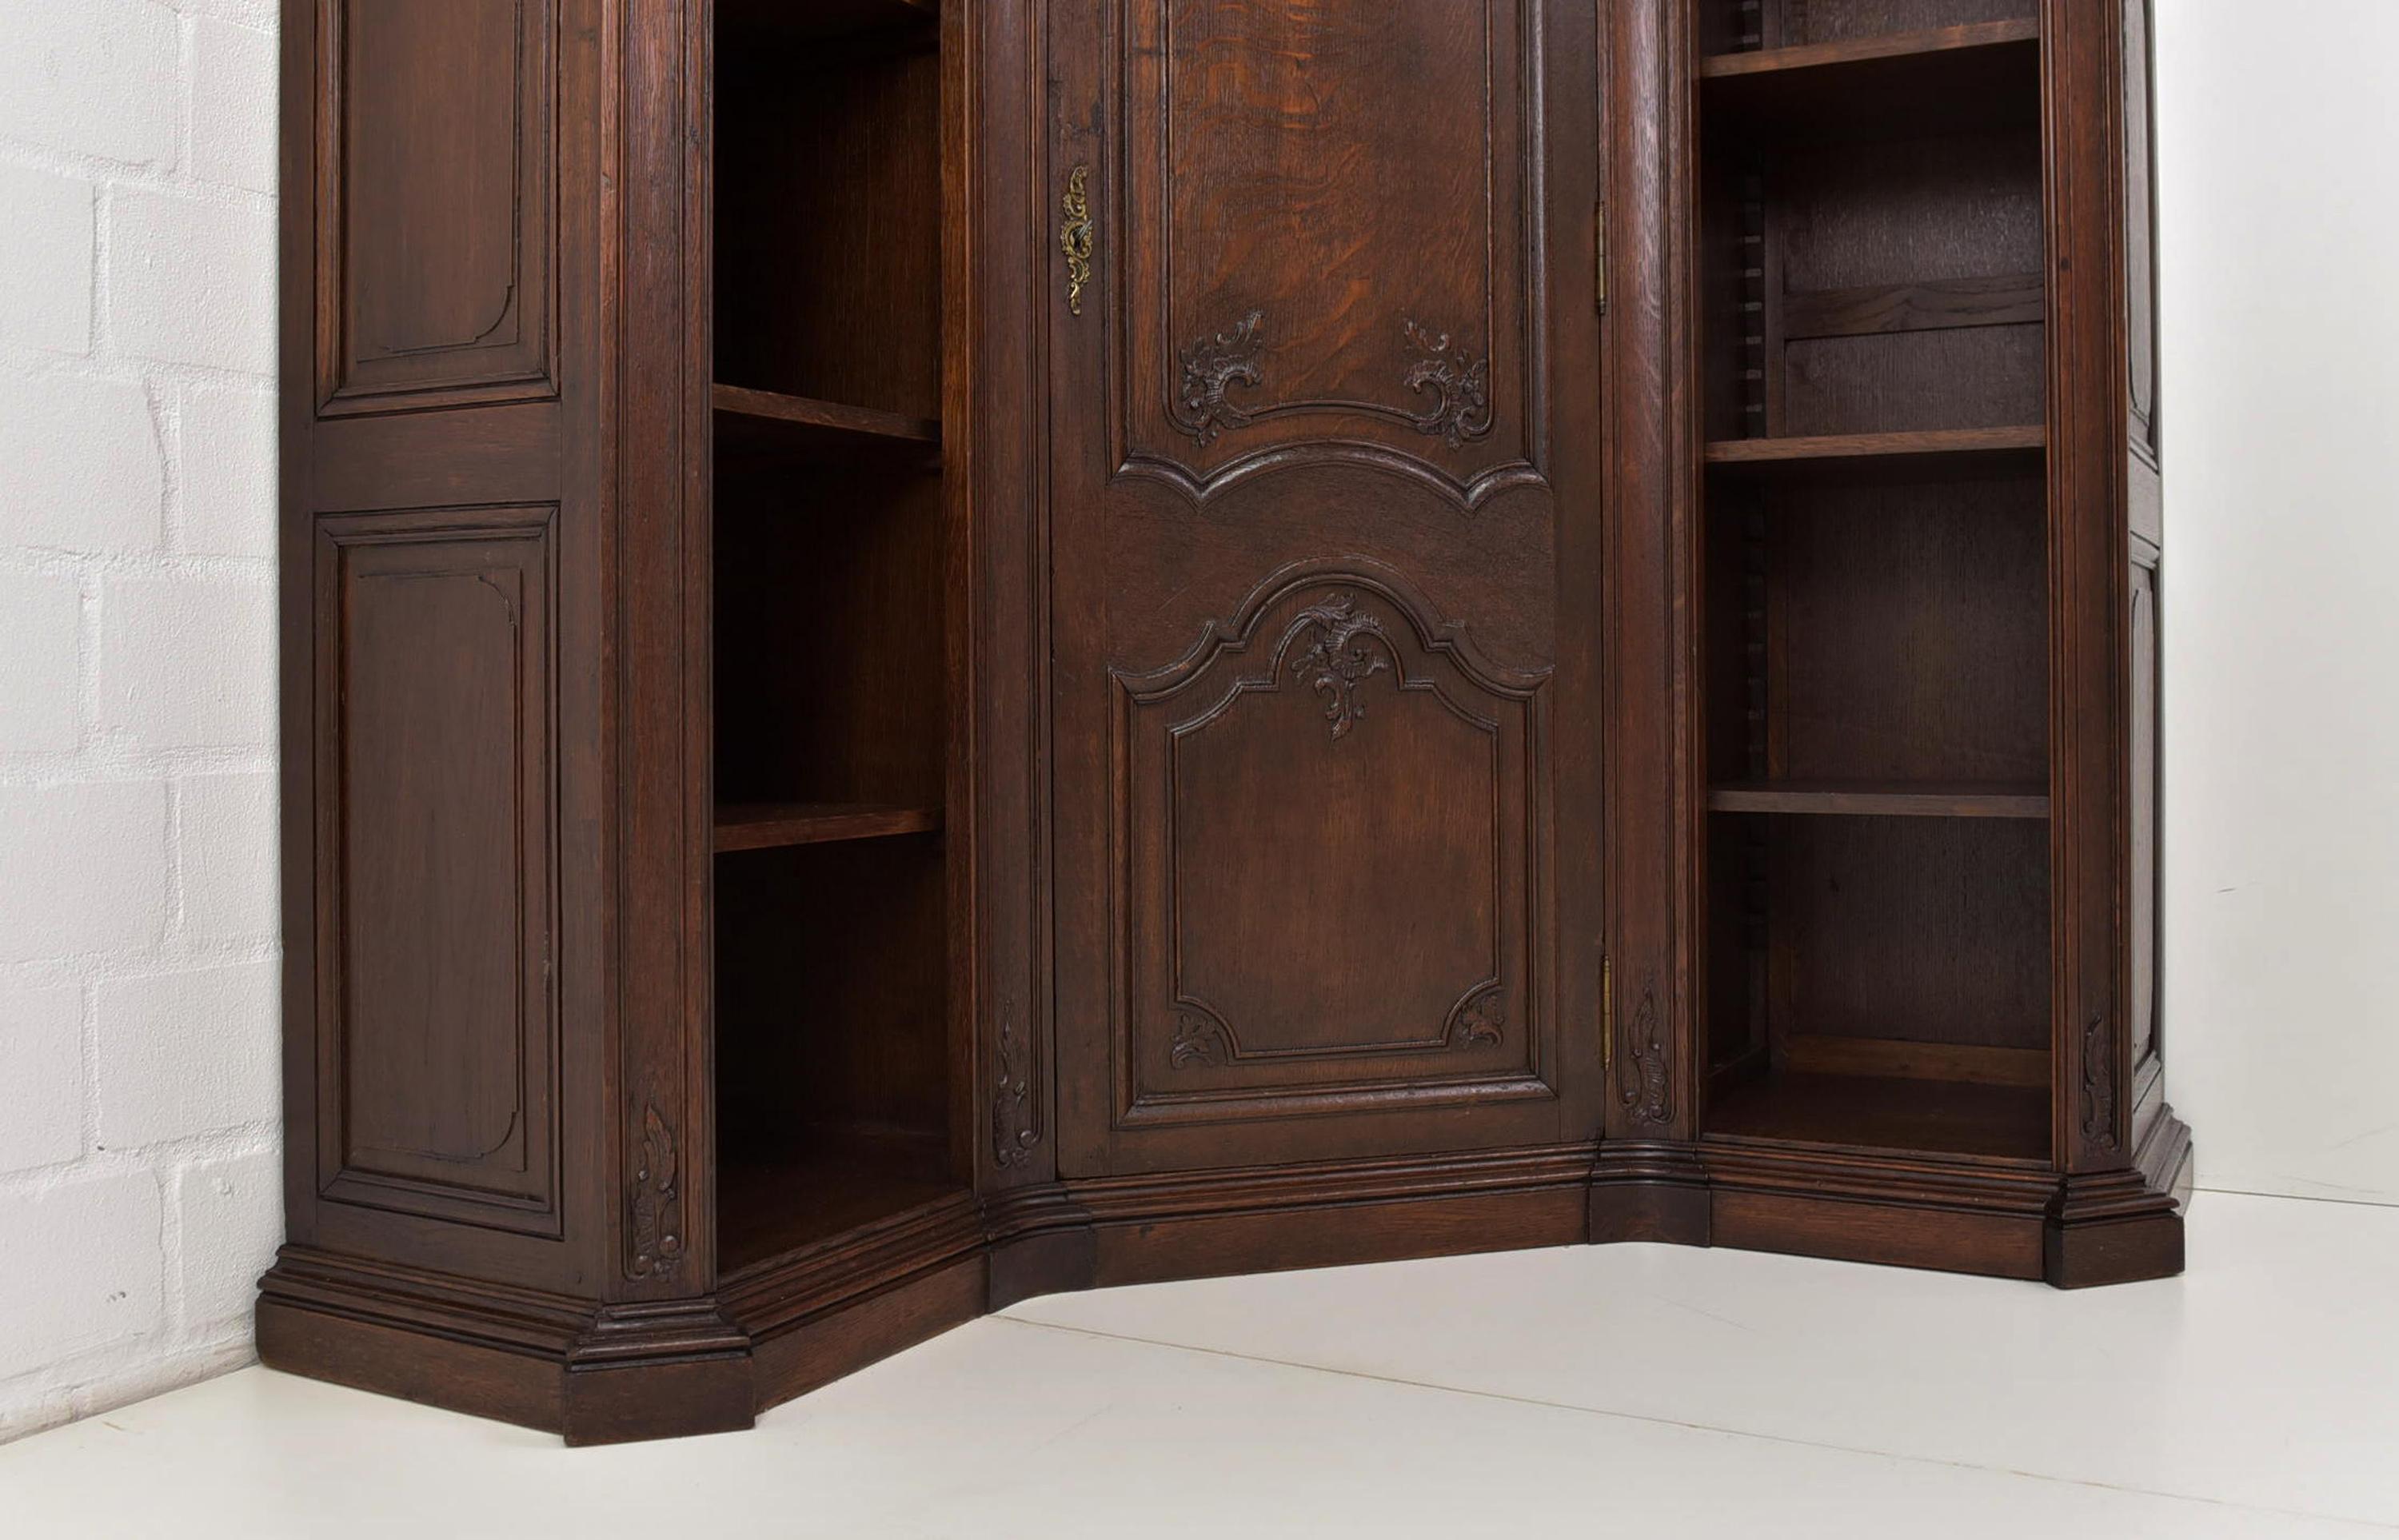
(1910, 211)
(1929, 930)
(1906, 382)
(1909, 633)
(830, 991)
(828, 208)
(830, 680)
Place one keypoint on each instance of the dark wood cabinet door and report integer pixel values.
(1324, 599)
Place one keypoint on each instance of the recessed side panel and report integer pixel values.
(2140, 232)
(439, 1046)
(438, 227)
(2143, 884)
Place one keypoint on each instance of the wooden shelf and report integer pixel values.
(1935, 454)
(818, 20)
(1882, 798)
(760, 422)
(775, 826)
(1946, 80)
(1884, 1113)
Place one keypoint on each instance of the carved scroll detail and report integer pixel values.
(1337, 661)
(1642, 1084)
(1013, 1132)
(1460, 388)
(655, 1199)
(2098, 1085)
(1211, 368)
(1201, 1041)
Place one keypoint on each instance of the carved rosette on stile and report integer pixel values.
(1642, 1084)
(2098, 1085)
(1460, 387)
(1341, 656)
(1013, 1131)
(655, 1203)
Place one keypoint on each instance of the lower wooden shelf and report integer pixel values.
(775, 826)
(833, 1180)
(1933, 1117)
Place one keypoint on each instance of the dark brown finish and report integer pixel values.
(1591, 679)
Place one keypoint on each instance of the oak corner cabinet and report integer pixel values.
(936, 651)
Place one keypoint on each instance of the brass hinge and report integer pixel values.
(1599, 254)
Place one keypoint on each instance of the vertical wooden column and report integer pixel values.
(2112, 1221)
(1647, 1185)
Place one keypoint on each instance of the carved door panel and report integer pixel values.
(1326, 482)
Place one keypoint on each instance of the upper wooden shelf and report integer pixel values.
(1882, 798)
(815, 21)
(775, 826)
(1948, 79)
(760, 422)
(1944, 452)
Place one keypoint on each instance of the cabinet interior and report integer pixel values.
(837, 1104)
(1875, 551)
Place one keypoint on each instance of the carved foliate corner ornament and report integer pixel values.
(1642, 1084)
(1482, 1022)
(1013, 1131)
(1340, 656)
(654, 1201)
(2098, 1085)
(1198, 1043)
(1460, 387)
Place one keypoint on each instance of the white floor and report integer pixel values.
(1591, 1392)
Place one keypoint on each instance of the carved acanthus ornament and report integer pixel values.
(1340, 657)
(655, 1199)
(2098, 1085)
(1013, 1132)
(1642, 1085)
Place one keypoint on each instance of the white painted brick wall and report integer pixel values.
(140, 1186)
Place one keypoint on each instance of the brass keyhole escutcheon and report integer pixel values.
(1076, 236)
